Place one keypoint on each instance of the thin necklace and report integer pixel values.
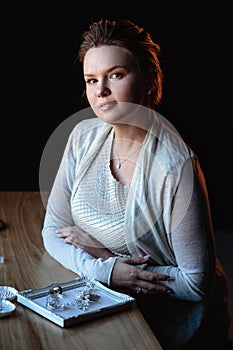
(119, 164)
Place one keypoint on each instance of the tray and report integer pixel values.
(74, 294)
(6, 308)
(7, 292)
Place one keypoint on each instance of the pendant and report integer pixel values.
(118, 166)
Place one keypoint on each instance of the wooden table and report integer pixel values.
(27, 265)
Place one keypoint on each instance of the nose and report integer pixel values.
(103, 89)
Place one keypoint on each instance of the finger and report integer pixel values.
(65, 230)
(157, 291)
(143, 274)
(61, 235)
(149, 276)
(69, 240)
(145, 287)
(61, 230)
(136, 261)
(161, 277)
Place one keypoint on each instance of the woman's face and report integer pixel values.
(112, 77)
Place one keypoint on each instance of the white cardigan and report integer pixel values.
(167, 217)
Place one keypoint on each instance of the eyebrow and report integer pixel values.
(108, 70)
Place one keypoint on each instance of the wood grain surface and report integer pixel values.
(27, 265)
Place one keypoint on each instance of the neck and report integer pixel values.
(132, 133)
(135, 131)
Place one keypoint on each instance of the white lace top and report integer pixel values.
(98, 205)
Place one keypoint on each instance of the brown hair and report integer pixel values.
(126, 34)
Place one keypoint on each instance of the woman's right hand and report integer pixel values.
(126, 275)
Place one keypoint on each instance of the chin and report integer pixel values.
(121, 113)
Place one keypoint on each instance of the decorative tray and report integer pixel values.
(7, 293)
(75, 301)
(6, 308)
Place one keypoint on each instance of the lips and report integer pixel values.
(104, 106)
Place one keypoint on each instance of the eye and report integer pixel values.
(91, 81)
(117, 75)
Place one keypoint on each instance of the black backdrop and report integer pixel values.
(42, 85)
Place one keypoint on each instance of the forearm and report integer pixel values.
(80, 239)
(185, 286)
(76, 259)
(101, 253)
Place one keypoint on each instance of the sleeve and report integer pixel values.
(191, 239)
(58, 214)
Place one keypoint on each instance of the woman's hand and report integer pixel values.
(80, 239)
(126, 275)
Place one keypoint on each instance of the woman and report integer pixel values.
(129, 204)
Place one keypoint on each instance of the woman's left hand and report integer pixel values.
(126, 275)
(80, 239)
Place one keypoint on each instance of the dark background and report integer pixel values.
(41, 84)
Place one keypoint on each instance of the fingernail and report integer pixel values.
(145, 257)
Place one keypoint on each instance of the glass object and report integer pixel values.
(55, 299)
